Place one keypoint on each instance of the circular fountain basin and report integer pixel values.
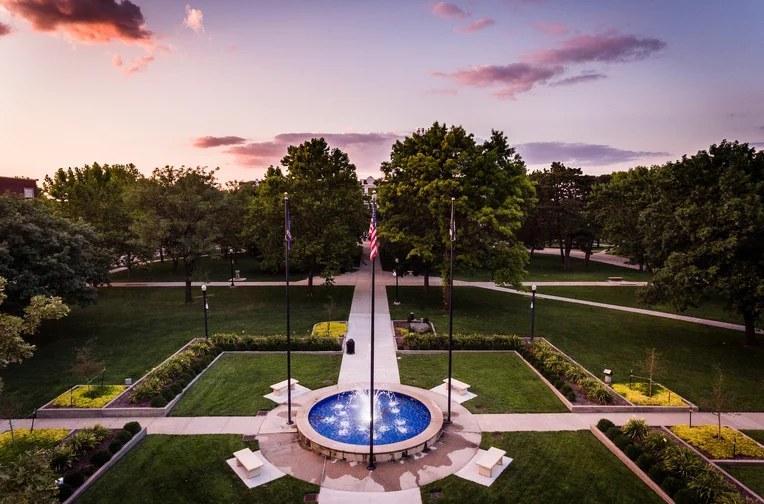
(335, 422)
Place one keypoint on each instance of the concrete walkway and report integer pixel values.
(355, 368)
(596, 257)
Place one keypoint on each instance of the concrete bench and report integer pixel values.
(245, 458)
(615, 279)
(280, 387)
(489, 460)
(461, 387)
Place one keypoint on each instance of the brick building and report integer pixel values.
(17, 185)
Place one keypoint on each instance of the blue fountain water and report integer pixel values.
(345, 417)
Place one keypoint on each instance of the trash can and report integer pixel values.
(350, 346)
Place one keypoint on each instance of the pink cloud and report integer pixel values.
(449, 10)
(137, 65)
(514, 78)
(5, 29)
(475, 25)
(211, 141)
(551, 28)
(451, 92)
(609, 47)
(586, 77)
(194, 19)
(582, 154)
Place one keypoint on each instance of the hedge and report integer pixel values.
(430, 341)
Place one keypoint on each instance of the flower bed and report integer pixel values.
(638, 394)
(565, 375)
(82, 397)
(330, 329)
(428, 341)
(679, 471)
(733, 444)
(24, 440)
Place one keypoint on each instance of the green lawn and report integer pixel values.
(548, 467)
(138, 327)
(751, 476)
(502, 381)
(548, 268)
(600, 338)
(183, 469)
(758, 435)
(627, 296)
(236, 383)
(206, 270)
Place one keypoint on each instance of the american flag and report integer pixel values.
(288, 226)
(373, 231)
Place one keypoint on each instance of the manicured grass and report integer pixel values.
(22, 440)
(758, 435)
(751, 476)
(548, 467)
(627, 296)
(502, 381)
(136, 328)
(206, 270)
(599, 338)
(236, 383)
(548, 268)
(183, 469)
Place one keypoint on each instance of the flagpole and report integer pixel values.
(373, 238)
(288, 240)
(452, 233)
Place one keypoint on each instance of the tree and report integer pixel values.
(326, 208)
(704, 232)
(492, 197)
(28, 480)
(651, 366)
(98, 195)
(330, 308)
(237, 197)
(719, 401)
(85, 362)
(44, 254)
(179, 211)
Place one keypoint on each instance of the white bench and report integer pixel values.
(461, 387)
(245, 458)
(489, 460)
(280, 387)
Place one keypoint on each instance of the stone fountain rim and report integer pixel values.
(426, 437)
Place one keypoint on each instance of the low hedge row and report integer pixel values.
(242, 342)
(430, 341)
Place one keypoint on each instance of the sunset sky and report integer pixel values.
(600, 84)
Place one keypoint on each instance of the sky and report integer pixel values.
(599, 84)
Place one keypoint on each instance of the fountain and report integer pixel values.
(335, 422)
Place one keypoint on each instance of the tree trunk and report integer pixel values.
(562, 251)
(174, 264)
(750, 330)
(129, 265)
(533, 249)
(568, 247)
(310, 283)
(161, 255)
(588, 252)
(426, 281)
(641, 267)
(188, 268)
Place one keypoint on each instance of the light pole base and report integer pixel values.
(396, 303)
(371, 467)
(447, 422)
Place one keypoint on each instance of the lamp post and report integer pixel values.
(230, 252)
(204, 301)
(533, 311)
(396, 274)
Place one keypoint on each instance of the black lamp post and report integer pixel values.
(230, 251)
(204, 300)
(533, 310)
(396, 274)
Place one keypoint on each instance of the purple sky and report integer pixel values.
(600, 84)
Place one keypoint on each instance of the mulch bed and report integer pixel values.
(83, 463)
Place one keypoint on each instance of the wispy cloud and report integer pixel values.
(514, 78)
(581, 154)
(609, 47)
(551, 28)
(212, 141)
(758, 145)
(5, 29)
(475, 25)
(436, 91)
(585, 77)
(449, 10)
(194, 19)
(137, 65)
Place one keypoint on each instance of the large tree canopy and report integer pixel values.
(44, 254)
(326, 207)
(97, 195)
(492, 196)
(179, 210)
(704, 231)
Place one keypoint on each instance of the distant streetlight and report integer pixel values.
(533, 311)
(204, 300)
(396, 274)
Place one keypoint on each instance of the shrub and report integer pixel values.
(429, 341)
(197, 368)
(146, 389)
(708, 484)
(571, 396)
(704, 437)
(558, 383)
(64, 492)
(115, 446)
(99, 431)
(613, 432)
(682, 462)
(657, 474)
(124, 436)
(622, 442)
(158, 402)
(566, 389)
(132, 427)
(604, 425)
(636, 428)
(633, 451)
(671, 485)
(99, 458)
(655, 442)
(645, 462)
(687, 496)
(176, 388)
(83, 441)
(168, 394)
(75, 479)
(62, 457)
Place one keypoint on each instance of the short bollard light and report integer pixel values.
(350, 346)
(128, 382)
(608, 377)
